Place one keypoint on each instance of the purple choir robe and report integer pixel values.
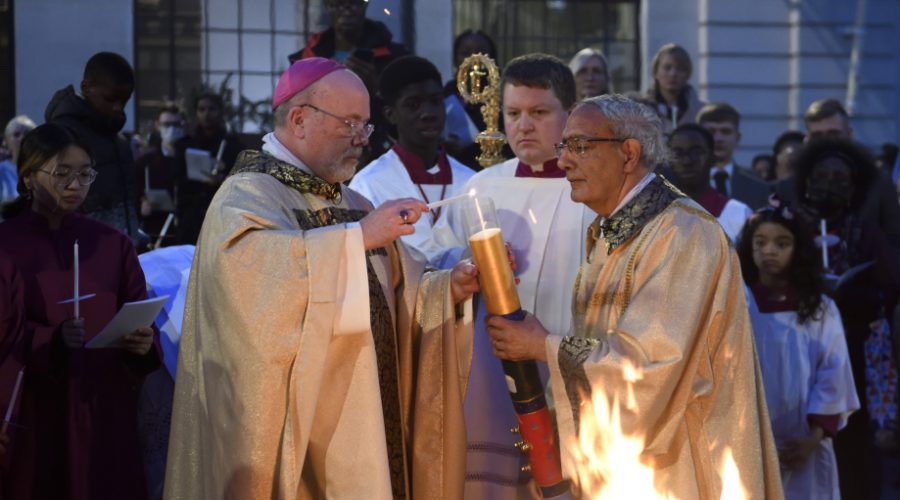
(76, 432)
(12, 355)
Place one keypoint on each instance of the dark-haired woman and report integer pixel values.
(76, 436)
(832, 177)
(801, 348)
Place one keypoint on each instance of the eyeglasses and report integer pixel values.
(579, 145)
(357, 129)
(64, 177)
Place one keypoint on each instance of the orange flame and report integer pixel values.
(732, 487)
(607, 462)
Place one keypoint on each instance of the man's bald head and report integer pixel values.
(324, 124)
(342, 80)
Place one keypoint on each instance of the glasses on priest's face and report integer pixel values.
(357, 129)
(580, 145)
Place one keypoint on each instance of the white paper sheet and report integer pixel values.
(132, 316)
(199, 164)
(160, 200)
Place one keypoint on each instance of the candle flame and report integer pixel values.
(386, 11)
(472, 192)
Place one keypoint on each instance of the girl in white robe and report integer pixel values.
(801, 348)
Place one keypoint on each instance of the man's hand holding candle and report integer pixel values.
(463, 280)
(517, 340)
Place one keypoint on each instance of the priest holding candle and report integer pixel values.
(416, 166)
(75, 433)
(318, 360)
(660, 291)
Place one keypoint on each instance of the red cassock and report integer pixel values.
(75, 435)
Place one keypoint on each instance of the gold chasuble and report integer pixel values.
(661, 291)
(278, 394)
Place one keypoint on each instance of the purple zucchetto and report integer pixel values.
(301, 75)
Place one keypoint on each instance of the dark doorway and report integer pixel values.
(7, 62)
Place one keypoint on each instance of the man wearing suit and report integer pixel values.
(730, 180)
(828, 118)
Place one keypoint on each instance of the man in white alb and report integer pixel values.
(546, 231)
(416, 167)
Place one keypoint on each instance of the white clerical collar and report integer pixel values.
(729, 168)
(634, 191)
(274, 147)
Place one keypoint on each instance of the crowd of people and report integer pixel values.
(334, 339)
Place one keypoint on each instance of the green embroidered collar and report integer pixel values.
(287, 174)
(628, 220)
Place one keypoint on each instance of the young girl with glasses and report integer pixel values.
(74, 434)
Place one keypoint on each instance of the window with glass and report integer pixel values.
(167, 55)
(245, 47)
(235, 47)
(561, 28)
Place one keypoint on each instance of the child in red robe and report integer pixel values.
(76, 433)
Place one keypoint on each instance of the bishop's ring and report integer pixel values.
(404, 215)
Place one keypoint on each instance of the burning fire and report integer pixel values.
(607, 462)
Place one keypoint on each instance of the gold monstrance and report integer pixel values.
(469, 83)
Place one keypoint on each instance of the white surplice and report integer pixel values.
(733, 217)
(546, 230)
(387, 179)
(806, 370)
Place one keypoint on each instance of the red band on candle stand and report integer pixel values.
(537, 430)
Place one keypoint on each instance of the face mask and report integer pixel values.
(171, 134)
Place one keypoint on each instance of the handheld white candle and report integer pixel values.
(75, 271)
(165, 229)
(12, 401)
(454, 199)
(221, 151)
(480, 215)
(824, 230)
